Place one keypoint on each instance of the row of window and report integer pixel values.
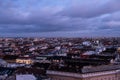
(100, 78)
(26, 62)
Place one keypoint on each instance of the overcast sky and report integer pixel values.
(64, 18)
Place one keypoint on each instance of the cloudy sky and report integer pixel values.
(64, 18)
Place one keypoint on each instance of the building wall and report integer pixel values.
(56, 77)
(25, 61)
(106, 77)
(118, 76)
(103, 77)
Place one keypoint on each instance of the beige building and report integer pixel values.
(24, 60)
(100, 75)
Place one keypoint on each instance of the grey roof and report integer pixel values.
(100, 68)
(2, 62)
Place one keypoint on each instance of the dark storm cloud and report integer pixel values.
(85, 17)
(92, 8)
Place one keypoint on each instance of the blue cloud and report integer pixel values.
(59, 17)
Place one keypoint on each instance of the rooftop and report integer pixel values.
(25, 77)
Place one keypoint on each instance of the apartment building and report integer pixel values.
(99, 73)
